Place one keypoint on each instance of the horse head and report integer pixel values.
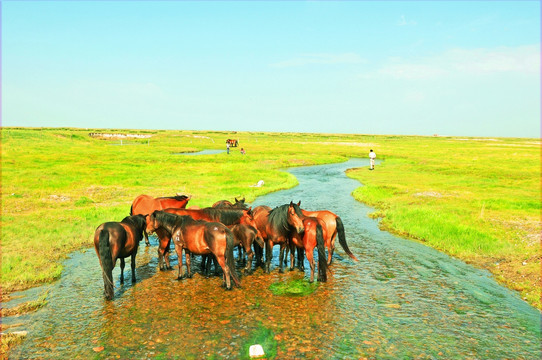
(294, 218)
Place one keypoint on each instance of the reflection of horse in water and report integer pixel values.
(118, 240)
(145, 204)
(200, 238)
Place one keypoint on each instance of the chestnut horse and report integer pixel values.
(197, 237)
(114, 240)
(145, 204)
(239, 204)
(333, 226)
(224, 216)
(312, 237)
(276, 227)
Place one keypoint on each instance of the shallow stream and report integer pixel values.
(401, 300)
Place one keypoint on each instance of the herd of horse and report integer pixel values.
(214, 232)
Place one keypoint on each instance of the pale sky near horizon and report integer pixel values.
(463, 68)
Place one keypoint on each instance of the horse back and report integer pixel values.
(117, 237)
(143, 205)
(329, 224)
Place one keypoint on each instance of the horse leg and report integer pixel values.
(310, 258)
(281, 258)
(286, 250)
(292, 252)
(301, 259)
(146, 238)
(187, 256)
(133, 264)
(179, 251)
(250, 254)
(222, 262)
(331, 248)
(268, 255)
(122, 263)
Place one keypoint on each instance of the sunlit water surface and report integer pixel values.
(401, 300)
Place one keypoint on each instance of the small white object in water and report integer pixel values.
(256, 351)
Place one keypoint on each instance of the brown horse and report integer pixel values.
(312, 237)
(333, 226)
(276, 227)
(244, 237)
(145, 204)
(114, 240)
(197, 237)
(239, 204)
(226, 216)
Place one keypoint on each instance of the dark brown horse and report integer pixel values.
(114, 240)
(244, 237)
(333, 227)
(276, 227)
(145, 204)
(239, 204)
(197, 237)
(312, 237)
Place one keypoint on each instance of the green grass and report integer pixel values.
(476, 199)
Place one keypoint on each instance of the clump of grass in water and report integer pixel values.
(297, 287)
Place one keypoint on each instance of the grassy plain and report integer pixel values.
(476, 199)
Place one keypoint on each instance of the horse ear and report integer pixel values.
(291, 203)
(236, 200)
(242, 200)
(299, 203)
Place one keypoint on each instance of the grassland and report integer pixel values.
(476, 199)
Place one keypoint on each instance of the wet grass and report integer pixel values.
(476, 199)
(295, 287)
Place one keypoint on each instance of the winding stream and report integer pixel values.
(401, 300)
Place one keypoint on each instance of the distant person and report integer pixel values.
(372, 157)
(242, 151)
(227, 147)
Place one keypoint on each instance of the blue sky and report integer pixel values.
(461, 68)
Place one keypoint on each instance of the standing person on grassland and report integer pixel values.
(372, 157)
(227, 147)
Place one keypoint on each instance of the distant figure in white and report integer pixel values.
(372, 157)
(258, 184)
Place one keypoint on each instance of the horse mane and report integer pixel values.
(137, 220)
(176, 197)
(278, 217)
(167, 219)
(225, 216)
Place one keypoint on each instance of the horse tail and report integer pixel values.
(322, 261)
(342, 238)
(132, 210)
(107, 263)
(230, 260)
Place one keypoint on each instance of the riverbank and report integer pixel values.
(60, 184)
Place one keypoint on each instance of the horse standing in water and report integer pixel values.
(333, 226)
(224, 216)
(312, 237)
(197, 237)
(244, 237)
(145, 204)
(276, 227)
(114, 240)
